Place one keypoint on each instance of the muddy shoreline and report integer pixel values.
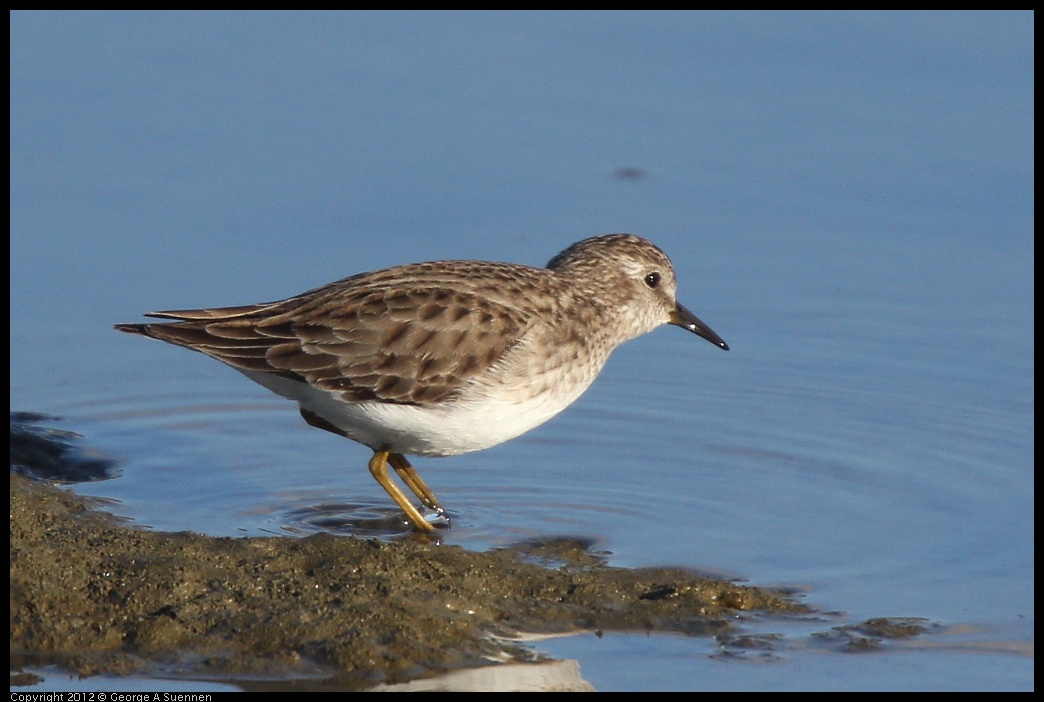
(98, 597)
(94, 596)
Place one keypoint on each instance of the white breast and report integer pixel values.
(444, 430)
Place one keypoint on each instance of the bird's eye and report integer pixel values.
(652, 280)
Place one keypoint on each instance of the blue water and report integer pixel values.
(848, 200)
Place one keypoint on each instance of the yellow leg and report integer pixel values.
(379, 470)
(414, 482)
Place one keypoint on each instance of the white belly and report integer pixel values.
(444, 430)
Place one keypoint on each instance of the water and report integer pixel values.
(847, 198)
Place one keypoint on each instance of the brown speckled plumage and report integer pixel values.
(445, 341)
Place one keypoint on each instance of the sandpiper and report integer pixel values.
(446, 357)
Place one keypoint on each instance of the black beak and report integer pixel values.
(685, 319)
